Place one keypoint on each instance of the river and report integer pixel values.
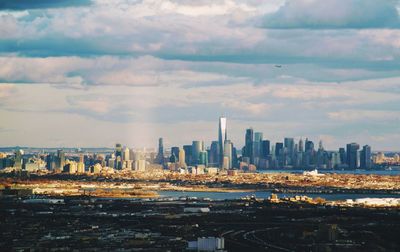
(266, 194)
(367, 172)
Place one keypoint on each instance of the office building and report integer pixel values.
(214, 156)
(188, 154)
(258, 136)
(160, 153)
(265, 149)
(228, 153)
(352, 155)
(222, 137)
(203, 158)
(182, 158)
(289, 147)
(248, 149)
(175, 152)
(365, 157)
(197, 147)
(126, 154)
(60, 161)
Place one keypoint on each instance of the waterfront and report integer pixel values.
(267, 194)
(394, 172)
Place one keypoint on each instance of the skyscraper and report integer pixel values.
(188, 154)
(352, 155)
(182, 158)
(214, 157)
(175, 152)
(203, 158)
(118, 156)
(126, 154)
(18, 159)
(343, 156)
(289, 146)
(301, 145)
(278, 149)
(249, 144)
(60, 159)
(197, 147)
(365, 157)
(234, 157)
(309, 146)
(228, 152)
(118, 150)
(222, 137)
(265, 149)
(160, 154)
(257, 146)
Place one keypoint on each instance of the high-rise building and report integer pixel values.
(160, 153)
(309, 146)
(228, 152)
(258, 136)
(182, 158)
(188, 154)
(60, 159)
(280, 154)
(352, 155)
(289, 146)
(335, 157)
(222, 137)
(278, 149)
(18, 161)
(265, 149)
(234, 157)
(118, 156)
(343, 156)
(203, 158)
(301, 145)
(214, 157)
(197, 147)
(175, 152)
(365, 157)
(126, 154)
(249, 144)
(118, 150)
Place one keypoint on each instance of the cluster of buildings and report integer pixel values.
(381, 158)
(258, 153)
(78, 162)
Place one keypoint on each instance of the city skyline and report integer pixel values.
(208, 125)
(92, 73)
(207, 144)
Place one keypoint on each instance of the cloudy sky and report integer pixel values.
(91, 73)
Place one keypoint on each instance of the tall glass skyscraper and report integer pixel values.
(160, 154)
(197, 147)
(228, 152)
(365, 157)
(352, 155)
(249, 139)
(222, 137)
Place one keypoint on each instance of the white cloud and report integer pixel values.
(334, 14)
(365, 115)
(171, 67)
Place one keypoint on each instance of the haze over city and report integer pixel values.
(93, 73)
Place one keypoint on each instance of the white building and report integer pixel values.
(207, 244)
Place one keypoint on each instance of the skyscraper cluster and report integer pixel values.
(289, 154)
(257, 153)
(221, 153)
(260, 153)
